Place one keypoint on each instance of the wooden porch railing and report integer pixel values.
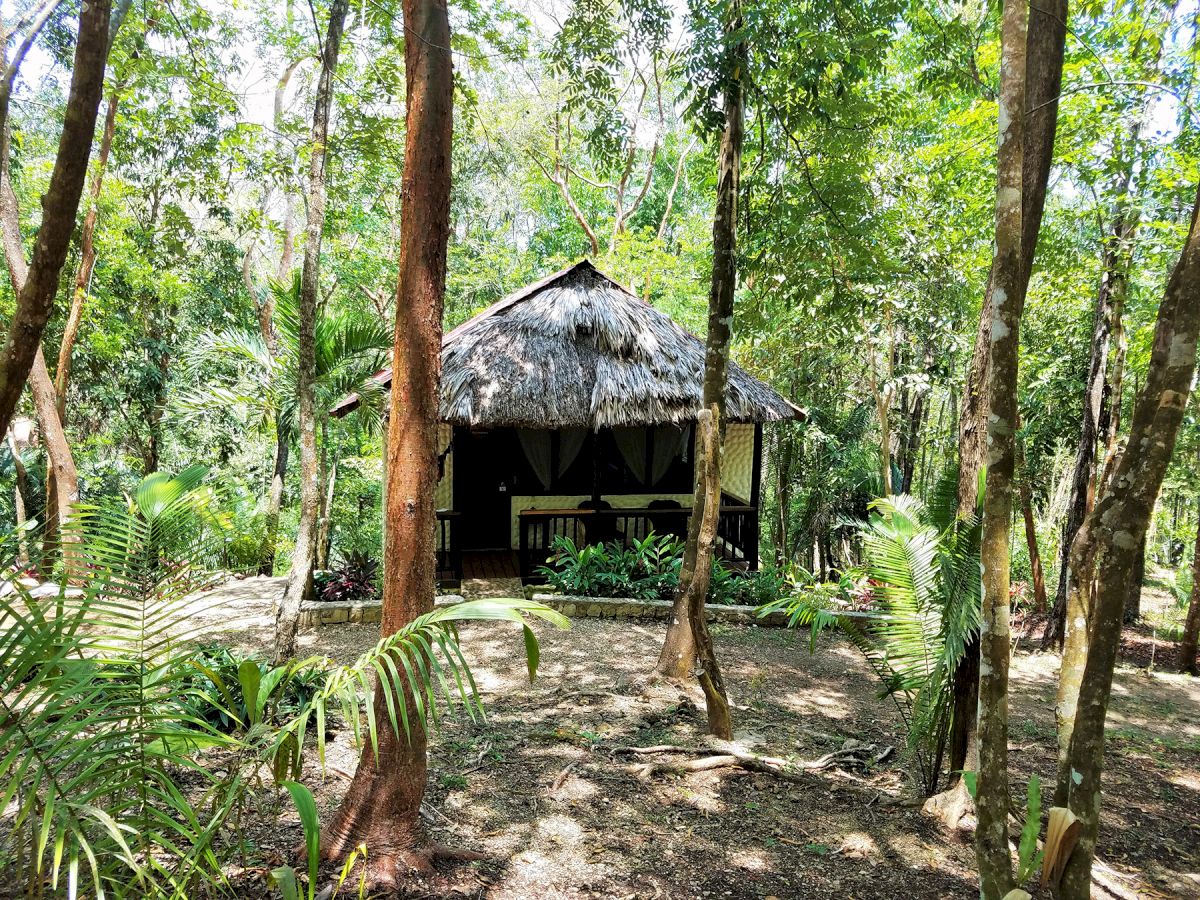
(449, 547)
(737, 531)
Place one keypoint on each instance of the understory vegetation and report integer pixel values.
(879, 317)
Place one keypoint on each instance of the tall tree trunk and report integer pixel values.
(1117, 525)
(1133, 599)
(910, 440)
(1045, 41)
(299, 585)
(1031, 541)
(1006, 303)
(87, 259)
(323, 529)
(1102, 393)
(688, 639)
(270, 542)
(1191, 627)
(61, 472)
(21, 497)
(382, 806)
(39, 282)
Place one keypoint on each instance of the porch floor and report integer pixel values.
(490, 573)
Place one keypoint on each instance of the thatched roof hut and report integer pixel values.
(578, 350)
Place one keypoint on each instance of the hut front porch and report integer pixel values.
(737, 538)
(514, 490)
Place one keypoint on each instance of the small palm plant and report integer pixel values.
(348, 349)
(915, 618)
(116, 780)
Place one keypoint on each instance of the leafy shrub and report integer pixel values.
(216, 694)
(646, 570)
(911, 612)
(354, 580)
(649, 570)
(243, 552)
(118, 786)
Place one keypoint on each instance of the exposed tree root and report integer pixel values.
(953, 808)
(730, 756)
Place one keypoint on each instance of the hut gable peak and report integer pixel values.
(576, 349)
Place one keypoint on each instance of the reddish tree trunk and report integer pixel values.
(382, 805)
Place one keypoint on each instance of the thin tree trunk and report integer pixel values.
(60, 468)
(695, 584)
(680, 647)
(323, 537)
(21, 497)
(1133, 599)
(87, 259)
(35, 298)
(1045, 42)
(1006, 303)
(1031, 541)
(299, 585)
(1117, 525)
(1102, 397)
(270, 543)
(910, 441)
(1191, 627)
(381, 807)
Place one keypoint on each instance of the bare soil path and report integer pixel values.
(537, 786)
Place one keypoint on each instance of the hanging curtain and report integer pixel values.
(536, 444)
(632, 444)
(570, 442)
(670, 444)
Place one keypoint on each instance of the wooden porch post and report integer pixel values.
(755, 494)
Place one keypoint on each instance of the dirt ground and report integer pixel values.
(538, 788)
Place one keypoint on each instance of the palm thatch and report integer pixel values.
(578, 350)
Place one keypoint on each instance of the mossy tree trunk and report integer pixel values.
(688, 640)
(299, 585)
(1117, 526)
(1005, 303)
(1045, 42)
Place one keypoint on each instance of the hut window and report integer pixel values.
(536, 444)
(670, 445)
(632, 444)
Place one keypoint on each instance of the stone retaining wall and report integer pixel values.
(341, 612)
(624, 608)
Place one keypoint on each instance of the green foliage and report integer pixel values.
(646, 570)
(217, 693)
(649, 570)
(1029, 855)
(911, 616)
(108, 705)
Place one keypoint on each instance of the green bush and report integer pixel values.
(216, 695)
(243, 552)
(649, 570)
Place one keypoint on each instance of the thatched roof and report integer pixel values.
(578, 350)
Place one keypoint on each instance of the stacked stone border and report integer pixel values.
(315, 613)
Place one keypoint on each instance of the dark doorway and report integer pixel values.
(485, 475)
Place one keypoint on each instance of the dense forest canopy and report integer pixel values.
(867, 188)
(260, 227)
